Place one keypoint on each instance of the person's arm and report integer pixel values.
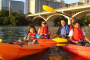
(49, 33)
(57, 33)
(73, 40)
(34, 41)
(38, 30)
(37, 36)
(86, 38)
(70, 36)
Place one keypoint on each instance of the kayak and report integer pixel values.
(83, 51)
(11, 51)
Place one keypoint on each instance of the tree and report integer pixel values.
(4, 13)
(28, 13)
(84, 20)
(1, 20)
(6, 20)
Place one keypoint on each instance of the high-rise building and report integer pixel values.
(27, 6)
(16, 6)
(35, 6)
(4, 4)
(11, 5)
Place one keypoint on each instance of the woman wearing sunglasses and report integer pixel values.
(44, 31)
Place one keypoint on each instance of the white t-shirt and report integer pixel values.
(71, 33)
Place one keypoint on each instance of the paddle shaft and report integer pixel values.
(70, 42)
(62, 13)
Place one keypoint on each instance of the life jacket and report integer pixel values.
(71, 27)
(77, 34)
(43, 30)
(31, 36)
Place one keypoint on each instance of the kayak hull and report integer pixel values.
(10, 51)
(79, 50)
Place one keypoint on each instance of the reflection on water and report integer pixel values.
(54, 53)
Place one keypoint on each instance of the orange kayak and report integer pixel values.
(79, 50)
(11, 51)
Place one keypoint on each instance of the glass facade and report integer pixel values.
(40, 3)
(17, 6)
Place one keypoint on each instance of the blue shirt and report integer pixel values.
(64, 30)
(37, 36)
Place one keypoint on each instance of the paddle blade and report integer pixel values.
(48, 9)
(47, 42)
(60, 41)
(0, 40)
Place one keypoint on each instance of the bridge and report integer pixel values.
(76, 11)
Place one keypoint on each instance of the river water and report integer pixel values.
(9, 33)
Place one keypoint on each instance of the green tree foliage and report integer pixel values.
(13, 19)
(84, 20)
(58, 19)
(17, 19)
(6, 20)
(28, 13)
(4, 13)
(1, 20)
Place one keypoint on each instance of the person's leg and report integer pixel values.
(29, 43)
(23, 43)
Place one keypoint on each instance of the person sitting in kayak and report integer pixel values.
(31, 37)
(44, 31)
(77, 35)
(63, 31)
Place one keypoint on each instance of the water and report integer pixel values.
(8, 34)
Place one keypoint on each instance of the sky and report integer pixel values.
(70, 1)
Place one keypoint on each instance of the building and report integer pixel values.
(84, 1)
(74, 4)
(35, 6)
(11, 5)
(16, 6)
(27, 6)
(4, 4)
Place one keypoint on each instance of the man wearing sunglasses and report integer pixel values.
(44, 31)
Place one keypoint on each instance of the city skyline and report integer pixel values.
(66, 1)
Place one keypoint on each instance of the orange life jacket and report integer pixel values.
(31, 36)
(43, 30)
(77, 34)
(71, 27)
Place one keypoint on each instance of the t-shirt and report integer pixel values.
(63, 30)
(71, 33)
(37, 36)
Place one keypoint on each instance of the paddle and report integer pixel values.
(62, 41)
(11, 42)
(0, 40)
(50, 9)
